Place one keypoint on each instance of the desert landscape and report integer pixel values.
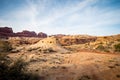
(25, 56)
(59, 39)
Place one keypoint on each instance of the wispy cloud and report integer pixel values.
(67, 16)
(64, 11)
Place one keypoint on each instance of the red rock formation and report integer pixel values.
(42, 35)
(6, 32)
(70, 40)
(26, 33)
(18, 41)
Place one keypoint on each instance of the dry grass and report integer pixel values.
(5, 46)
(14, 70)
(102, 44)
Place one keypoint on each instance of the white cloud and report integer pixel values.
(41, 15)
(63, 12)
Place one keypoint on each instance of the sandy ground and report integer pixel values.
(73, 66)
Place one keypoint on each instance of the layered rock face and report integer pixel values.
(64, 40)
(6, 32)
(76, 39)
(26, 33)
(20, 41)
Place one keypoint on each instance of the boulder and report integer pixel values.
(42, 35)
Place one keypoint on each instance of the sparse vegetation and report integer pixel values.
(39, 59)
(108, 44)
(118, 40)
(85, 77)
(5, 46)
(10, 70)
(102, 48)
(117, 47)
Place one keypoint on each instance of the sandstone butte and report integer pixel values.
(6, 32)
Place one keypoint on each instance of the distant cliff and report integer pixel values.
(6, 32)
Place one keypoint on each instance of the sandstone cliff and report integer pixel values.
(6, 32)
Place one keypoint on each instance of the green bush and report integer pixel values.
(10, 70)
(117, 47)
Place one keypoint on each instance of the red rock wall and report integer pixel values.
(6, 32)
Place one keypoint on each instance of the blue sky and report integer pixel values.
(93, 17)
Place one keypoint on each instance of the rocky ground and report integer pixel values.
(72, 66)
(83, 58)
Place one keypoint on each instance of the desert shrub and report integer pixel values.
(5, 46)
(10, 70)
(105, 37)
(118, 40)
(102, 48)
(85, 77)
(101, 43)
(117, 47)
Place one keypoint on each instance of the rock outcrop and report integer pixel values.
(26, 33)
(6, 32)
(76, 39)
(50, 44)
(42, 35)
(20, 41)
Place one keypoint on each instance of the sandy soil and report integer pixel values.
(73, 66)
